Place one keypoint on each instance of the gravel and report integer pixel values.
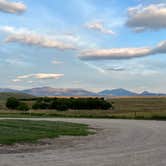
(116, 143)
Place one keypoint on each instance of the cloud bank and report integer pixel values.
(12, 7)
(152, 17)
(122, 53)
(98, 26)
(25, 36)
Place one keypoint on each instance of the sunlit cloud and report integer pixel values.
(12, 7)
(99, 26)
(152, 17)
(25, 36)
(115, 53)
(122, 53)
(40, 76)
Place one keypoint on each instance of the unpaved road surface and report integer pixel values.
(117, 143)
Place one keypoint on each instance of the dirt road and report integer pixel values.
(117, 143)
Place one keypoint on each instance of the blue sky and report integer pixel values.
(91, 44)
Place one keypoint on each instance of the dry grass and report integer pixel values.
(139, 104)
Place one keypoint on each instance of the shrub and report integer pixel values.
(42, 103)
(62, 107)
(12, 103)
(23, 107)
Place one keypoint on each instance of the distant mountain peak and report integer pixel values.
(49, 91)
(117, 92)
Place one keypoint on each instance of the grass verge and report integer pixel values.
(147, 115)
(16, 131)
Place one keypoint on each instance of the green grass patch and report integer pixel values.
(16, 131)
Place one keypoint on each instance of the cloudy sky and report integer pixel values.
(91, 44)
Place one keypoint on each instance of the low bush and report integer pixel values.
(23, 107)
(14, 104)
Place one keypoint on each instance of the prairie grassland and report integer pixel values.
(127, 104)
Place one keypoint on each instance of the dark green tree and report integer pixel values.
(12, 103)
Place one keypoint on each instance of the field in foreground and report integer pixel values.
(116, 143)
(14, 131)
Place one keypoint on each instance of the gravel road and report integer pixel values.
(117, 143)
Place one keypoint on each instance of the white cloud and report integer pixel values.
(56, 62)
(152, 17)
(41, 76)
(25, 36)
(16, 80)
(123, 53)
(12, 7)
(98, 26)
(115, 53)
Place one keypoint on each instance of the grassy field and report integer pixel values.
(127, 104)
(139, 108)
(123, 107)
(14, 131)
(156, 115)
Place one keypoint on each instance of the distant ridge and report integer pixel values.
(6, 95)
(146, 93)
(49, 91)
(8, 90)
(117, 92)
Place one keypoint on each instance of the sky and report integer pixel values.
(89, 44)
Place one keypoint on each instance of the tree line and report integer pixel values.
(71, 103)
(62, 103)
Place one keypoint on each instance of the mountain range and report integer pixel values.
(49, 91)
